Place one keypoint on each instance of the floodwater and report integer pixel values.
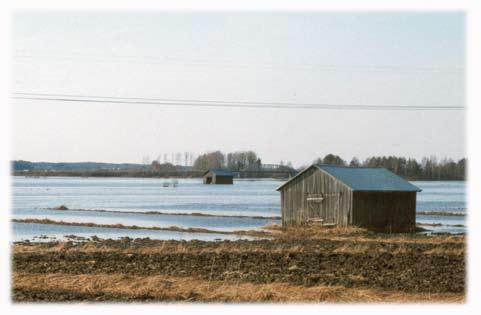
(146, 203)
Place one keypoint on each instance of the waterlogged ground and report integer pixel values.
(55, 232)
(145, 202)
(307, 264)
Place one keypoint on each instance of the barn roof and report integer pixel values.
(364, 178)
(220, 172)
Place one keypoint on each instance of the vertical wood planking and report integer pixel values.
(296, 209)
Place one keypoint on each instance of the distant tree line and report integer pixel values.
(164, 167)
(174, 158)
(428, 169)
(21, 165)
(236, 161)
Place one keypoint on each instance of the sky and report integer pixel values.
(382, 58)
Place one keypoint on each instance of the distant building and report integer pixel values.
(370, 197)
(218, 176)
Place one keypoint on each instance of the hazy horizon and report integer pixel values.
(345, 158)
(389, 59)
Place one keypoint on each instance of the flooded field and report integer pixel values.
(52, 232)
(305, 264)
(146, 203)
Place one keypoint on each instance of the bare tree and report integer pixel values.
(209, 160)
(145, 160)
(178, 158)
(354, 162)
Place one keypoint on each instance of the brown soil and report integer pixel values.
(382, 267)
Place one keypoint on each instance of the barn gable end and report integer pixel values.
(313, 195)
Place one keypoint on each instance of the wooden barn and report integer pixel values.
(370, 197)
(218, 176)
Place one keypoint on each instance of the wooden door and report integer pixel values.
(330, 208)
(315, 209)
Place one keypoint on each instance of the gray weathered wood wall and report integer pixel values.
(336, 206)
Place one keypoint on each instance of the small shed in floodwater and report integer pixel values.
(370, 197)
(218, 176)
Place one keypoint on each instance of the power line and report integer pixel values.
(220, 104)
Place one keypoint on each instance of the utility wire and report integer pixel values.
(221, 104)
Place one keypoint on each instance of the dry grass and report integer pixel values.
(165, 248)
(186, 289)
(315, 230)
(445, 251)
(349, 233)
(284, 240)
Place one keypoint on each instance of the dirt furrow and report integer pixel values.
(406, 272)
